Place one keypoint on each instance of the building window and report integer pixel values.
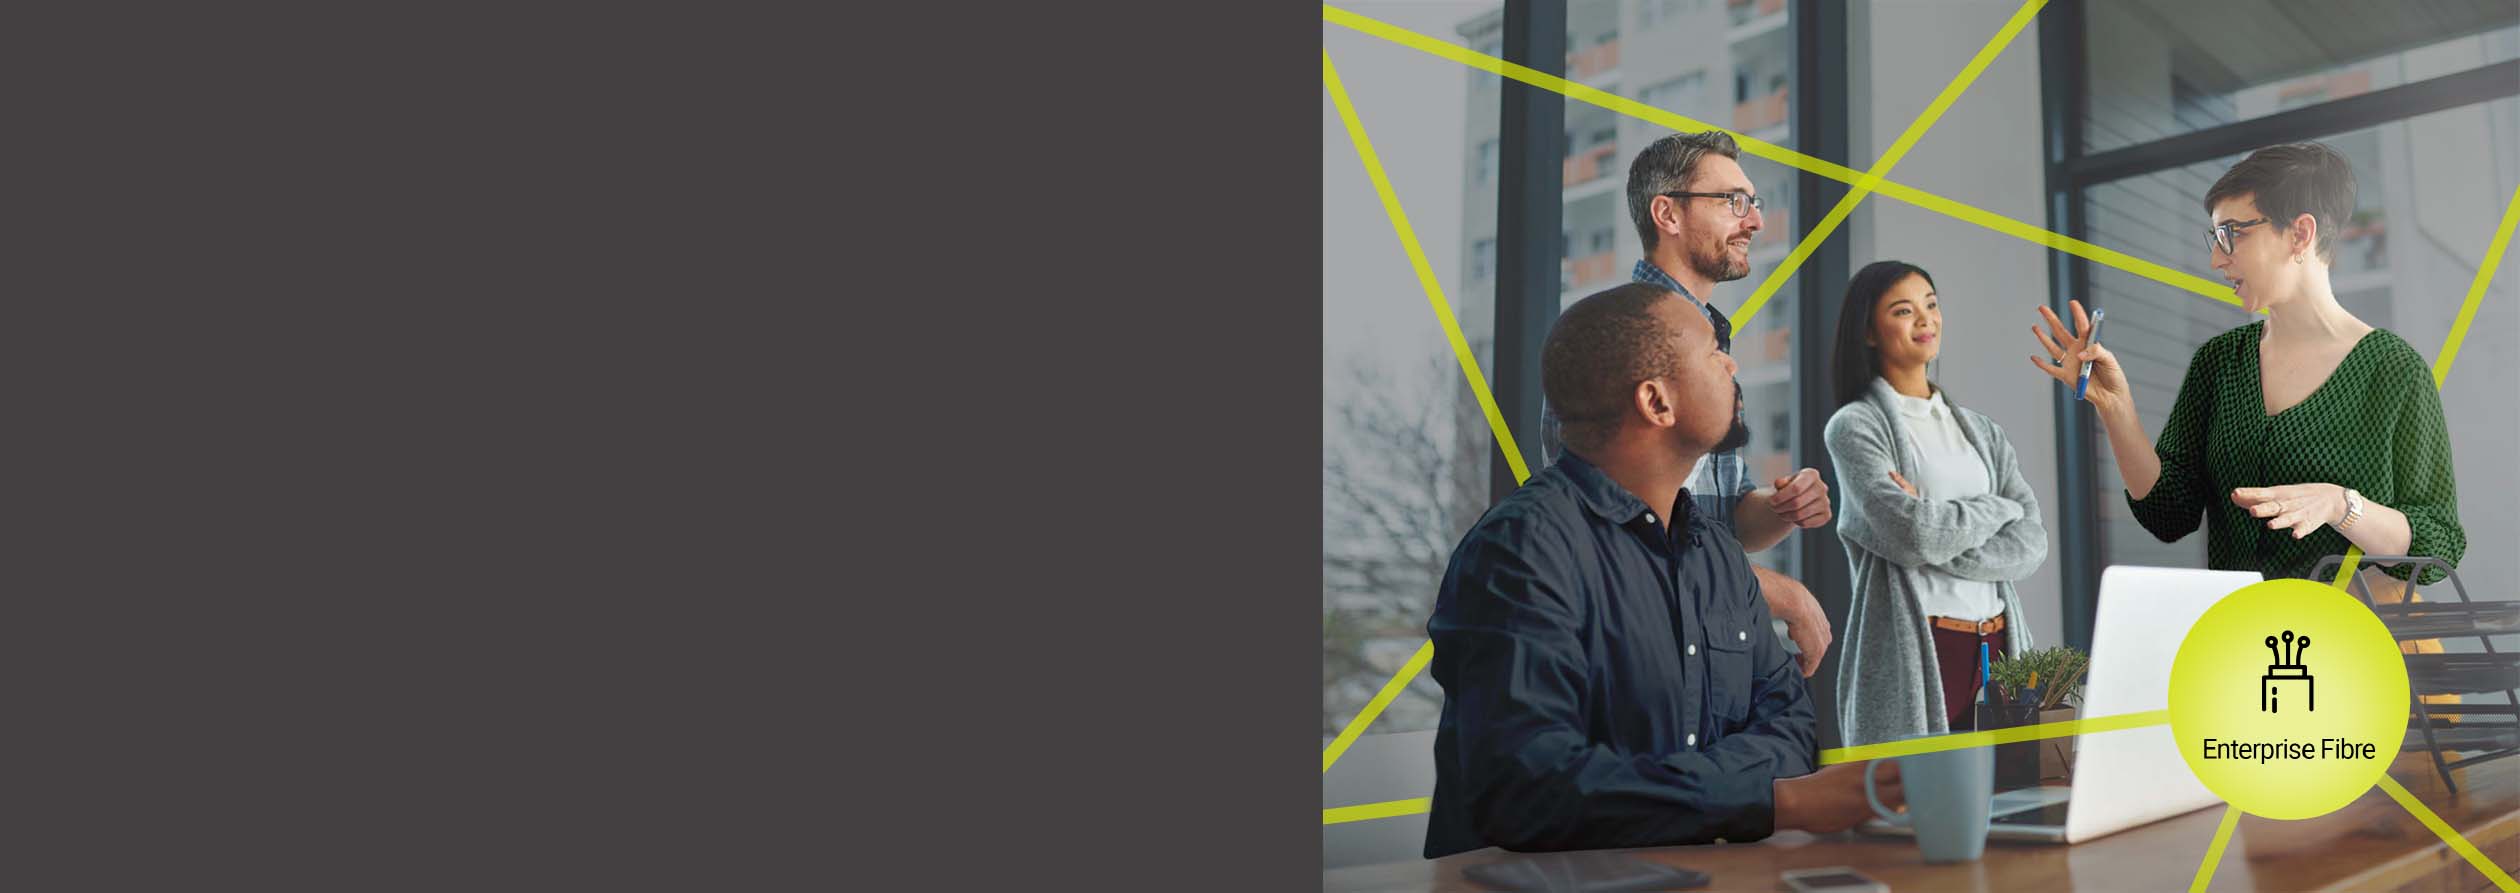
(1685, 94)
(2409, 172)
(1406, 449)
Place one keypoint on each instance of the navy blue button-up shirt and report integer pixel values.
(1609, 681)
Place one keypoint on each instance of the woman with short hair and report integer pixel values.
(2296, 436)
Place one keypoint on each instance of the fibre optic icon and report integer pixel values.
(2287, 668)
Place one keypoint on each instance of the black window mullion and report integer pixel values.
(1528, 216)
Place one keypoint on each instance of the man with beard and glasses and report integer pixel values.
(1603, 647)
(1696, 211)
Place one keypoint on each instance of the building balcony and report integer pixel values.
(1588, 165)
(1590, 62)
(1773, 345)
(1586, 272)
(1760, 113)
(1778, 231)
(1770, 465)
(1737, 12)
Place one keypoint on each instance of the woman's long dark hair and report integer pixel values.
(1856, 362)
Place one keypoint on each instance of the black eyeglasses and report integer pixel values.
(2220, 235)
(1742, 202)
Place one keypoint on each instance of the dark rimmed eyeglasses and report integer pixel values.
(2220, 236)
(1742, 202)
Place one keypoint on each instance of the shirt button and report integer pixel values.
(1744, 634)
(1692, 739)
(1649, 517)
(1693, 651)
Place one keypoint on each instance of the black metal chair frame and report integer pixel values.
(2425, 719)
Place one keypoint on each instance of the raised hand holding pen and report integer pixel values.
(2069, 355)
(2107, 393)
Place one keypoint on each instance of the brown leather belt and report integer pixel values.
(1987, 627)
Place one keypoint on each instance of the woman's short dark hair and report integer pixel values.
(2290, 179)
(1856, 362)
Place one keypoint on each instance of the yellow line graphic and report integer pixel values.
(1867, 182)
(1384, 810)
(2214, 851)
(2107, 257)
(1898, 149)
(2345, 571)
(2448, 835)
(1425, 271)
(2441, 372)
(2016, 734)
(1338, 746)
(2476, 290)
(1461, 352)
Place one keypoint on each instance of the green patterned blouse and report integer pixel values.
(2375, 426)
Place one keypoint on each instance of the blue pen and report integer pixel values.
(2084, 384)
(1986, 664)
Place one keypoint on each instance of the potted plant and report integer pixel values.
(2041, 686)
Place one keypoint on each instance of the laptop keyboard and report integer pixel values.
(2030, 805)
(2052, 814)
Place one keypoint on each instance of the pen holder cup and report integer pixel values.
(2056, 755)
(2025, 764)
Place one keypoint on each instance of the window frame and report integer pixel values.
(2072, 173)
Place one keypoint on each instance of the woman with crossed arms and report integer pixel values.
(1937, 520)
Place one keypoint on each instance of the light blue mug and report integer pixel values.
(1949, 794)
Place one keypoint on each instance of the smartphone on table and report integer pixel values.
(1838, 879)
(1584, 872)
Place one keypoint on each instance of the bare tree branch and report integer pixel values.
(1404, 474)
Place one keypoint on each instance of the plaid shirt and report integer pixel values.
(1720, 479)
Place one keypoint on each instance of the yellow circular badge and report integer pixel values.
(2288, 699)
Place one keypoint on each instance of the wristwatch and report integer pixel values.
(2353, 509)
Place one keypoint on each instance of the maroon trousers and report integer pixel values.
(1957, 653)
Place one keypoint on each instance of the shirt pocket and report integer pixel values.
(1730, 666)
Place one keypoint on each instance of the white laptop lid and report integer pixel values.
(2132, 776)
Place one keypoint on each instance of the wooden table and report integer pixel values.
(2371, 844)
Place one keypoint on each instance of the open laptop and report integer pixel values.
(2127, 777)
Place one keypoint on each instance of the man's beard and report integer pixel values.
(1739, 436)
(1719, 266)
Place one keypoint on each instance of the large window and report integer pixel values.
(2403, 263)
(1407, 453)
(1663, 53)
(2432, 186)
(1405, 446)
(2159, 68)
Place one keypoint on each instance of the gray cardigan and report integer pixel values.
(1888, 684)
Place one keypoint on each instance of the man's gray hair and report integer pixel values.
(1666, 166)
